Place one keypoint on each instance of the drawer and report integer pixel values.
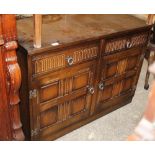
(62, 98)
(120, 43)
(52, 61)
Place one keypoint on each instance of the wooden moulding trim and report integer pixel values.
(13, 74)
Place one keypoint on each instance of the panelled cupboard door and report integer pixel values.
(61, 98)
(118, 76)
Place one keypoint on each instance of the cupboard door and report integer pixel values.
(118, 76)
(62, 98)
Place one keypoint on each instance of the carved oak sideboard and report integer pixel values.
(88, 66)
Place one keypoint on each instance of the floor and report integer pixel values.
(118, 124)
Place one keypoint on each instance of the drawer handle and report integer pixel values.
(101, 85)
(91, 89)
(128, 44)
(69, 60)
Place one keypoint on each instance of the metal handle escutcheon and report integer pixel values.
(91, 89)
(69, 60)
(128, 44)
(101, 85)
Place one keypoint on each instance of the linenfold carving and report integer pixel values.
(85, 54)
(49, 63)
(54, 62)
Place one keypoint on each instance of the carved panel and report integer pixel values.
(67, 85)
(78, 105)
(81, 80)
(106, 94)
(117, 66)
(111, 70)
(52, 62)
(118, 76)
(49, 63)
(127, 84)
(49, 92)
(115, 45)
(125, 43)
(132, 62)
(139, 39)
(49, 117)
(59, 87)
(117, 88)
(62, 99)
(85, 54)
(121, 66)
(64, 111)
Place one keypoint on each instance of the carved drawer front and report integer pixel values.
(118, 76)
(53, 61)
(63, 98)
(126, 42)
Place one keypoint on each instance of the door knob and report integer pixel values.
(101, 85)
(69, 60)
(128, 44)
(91, 89)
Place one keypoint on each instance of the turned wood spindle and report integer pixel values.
(37, 30)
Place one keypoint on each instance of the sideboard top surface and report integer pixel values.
(68, 29)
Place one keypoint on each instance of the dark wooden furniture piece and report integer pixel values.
(10, 77)
(88, 66)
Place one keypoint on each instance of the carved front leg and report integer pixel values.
(13, 75)
(14, 82)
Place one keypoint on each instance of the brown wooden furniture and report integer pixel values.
(150, 54)
(10, 77)
(145, 130)
(88, 66)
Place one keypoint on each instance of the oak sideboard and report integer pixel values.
(88, 66)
